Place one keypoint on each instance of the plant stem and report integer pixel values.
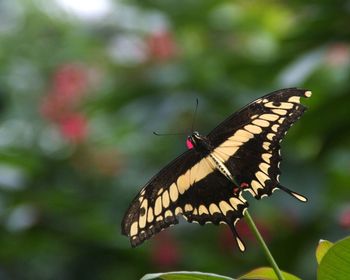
(266, 250)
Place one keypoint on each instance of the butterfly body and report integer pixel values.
(199, 143)
(205, 183)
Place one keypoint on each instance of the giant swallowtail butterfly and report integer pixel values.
(205, 183)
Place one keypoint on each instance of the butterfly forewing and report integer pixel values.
(249, 140)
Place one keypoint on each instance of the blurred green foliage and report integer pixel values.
(82, 88)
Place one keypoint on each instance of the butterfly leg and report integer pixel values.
(294, 194)
(238, 240)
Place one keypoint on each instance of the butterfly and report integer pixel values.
(205, 183)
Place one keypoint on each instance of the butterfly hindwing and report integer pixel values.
(213, 200)
(147, 214)
(248, 141)
(189, 186)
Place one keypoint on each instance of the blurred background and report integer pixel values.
(84, 83)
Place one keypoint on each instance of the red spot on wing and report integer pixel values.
(243, 185)
(189, 144)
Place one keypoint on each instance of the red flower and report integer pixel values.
(56, 107)
(74, 128)
(60, 106)
(161, 45)
(165, 252)
(70, 80)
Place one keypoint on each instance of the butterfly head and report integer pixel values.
(193, 140)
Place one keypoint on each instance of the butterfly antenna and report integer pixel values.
(194, 115)
(168, 134)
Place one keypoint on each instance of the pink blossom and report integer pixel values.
(70, 80)
(56, 107)
(74, 128)
(61, 104)
(161, 46)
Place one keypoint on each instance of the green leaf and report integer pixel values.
(266, 273)
(322, 249)
(336, 262)
(185, 275)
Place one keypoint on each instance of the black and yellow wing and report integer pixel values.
(248, 141)
(189, 186)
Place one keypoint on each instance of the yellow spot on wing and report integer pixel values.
(183, 182)
(266, 145)
(264, 167)
(269, 117)
(262, 177)
(174, 194)
(256, 185)
(159, 218)
(158, 206)
(225, 207)
(188, 208)
(202, 210)
(275, 127)
(150, 216)
(286, 105)
(270, 136)
(168, 213)
(308, 93)
(241, 136)
(253, 128)
(281, 120)
(165, 199)
(134, 229)
(178, 210)
(294, 99)
(234, 202)
(213, 209)
(279, 111)
(142, 221)
(266, 157)
(262, 123)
